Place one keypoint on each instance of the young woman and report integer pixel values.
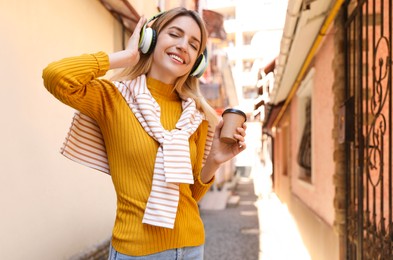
(155, 125)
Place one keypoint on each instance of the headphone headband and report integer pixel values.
(154, 17)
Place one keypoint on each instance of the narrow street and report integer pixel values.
(232, 233)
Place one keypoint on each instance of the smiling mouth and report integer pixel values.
(176, 58)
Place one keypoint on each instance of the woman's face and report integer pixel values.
(176, 50)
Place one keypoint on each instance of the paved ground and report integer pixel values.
(250, 227)
(232, 233)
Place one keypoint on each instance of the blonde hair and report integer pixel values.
(187, 86)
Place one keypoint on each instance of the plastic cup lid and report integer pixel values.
(237, 111)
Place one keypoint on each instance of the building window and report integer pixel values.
(285, 149)
(304, 134)
(304, 153)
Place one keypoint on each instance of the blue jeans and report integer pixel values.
(185, 253)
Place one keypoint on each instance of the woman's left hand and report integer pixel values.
(131, 55)
(223, 152)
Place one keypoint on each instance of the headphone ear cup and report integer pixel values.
(200, 65)
(147, 40)
(153, 41)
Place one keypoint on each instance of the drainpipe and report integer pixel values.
(336, 7)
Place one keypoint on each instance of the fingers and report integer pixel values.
(240, 136)
(241, 132)
(138, 28)
(218, 129)
(140, 24)
(242, 147)
(133, 42)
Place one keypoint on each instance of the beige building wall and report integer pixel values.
(51, 208)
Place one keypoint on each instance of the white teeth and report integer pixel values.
(176, 58)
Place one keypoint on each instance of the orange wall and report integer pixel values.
(51, 208)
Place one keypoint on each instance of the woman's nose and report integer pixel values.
(182, 45)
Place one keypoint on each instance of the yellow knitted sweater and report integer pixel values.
(131, 152)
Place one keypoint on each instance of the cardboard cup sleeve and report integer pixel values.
(233, 118)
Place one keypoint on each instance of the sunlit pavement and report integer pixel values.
(259, 226)
(279, 237)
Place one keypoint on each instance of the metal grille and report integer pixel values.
(368, 47)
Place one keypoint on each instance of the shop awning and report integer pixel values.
(123, 11)
(272, 113)
(214, 24)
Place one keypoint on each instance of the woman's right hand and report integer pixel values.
(130, 56)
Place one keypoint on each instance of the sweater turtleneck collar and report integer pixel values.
(159, 89)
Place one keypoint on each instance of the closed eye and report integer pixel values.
(194, 46)
(174, 35)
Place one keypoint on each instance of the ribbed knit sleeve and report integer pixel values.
(74, 82)
(199, 188)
